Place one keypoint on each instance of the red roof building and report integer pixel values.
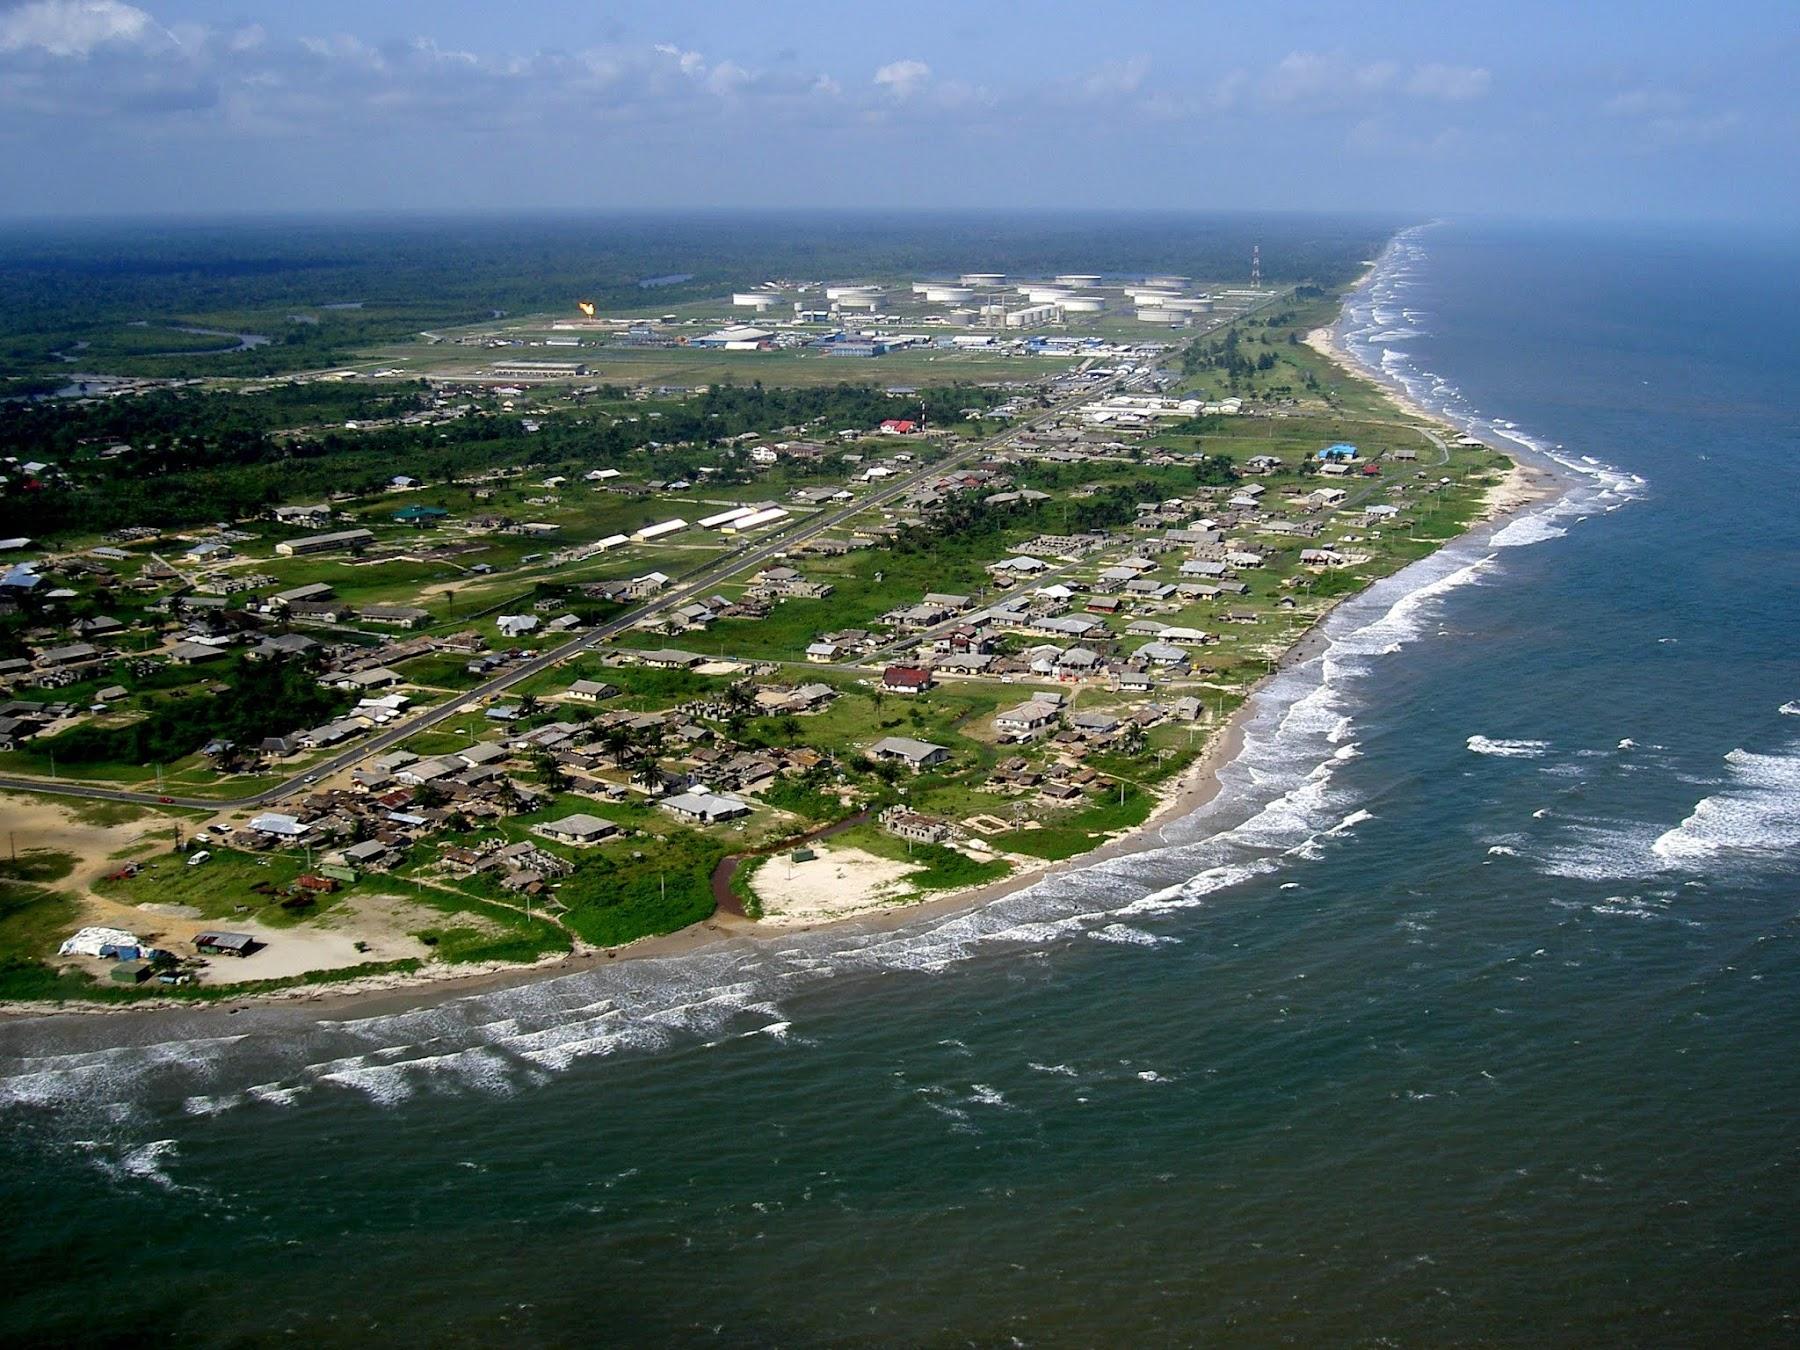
(906, 679)
(896, 426)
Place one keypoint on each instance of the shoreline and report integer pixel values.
(1194, 788)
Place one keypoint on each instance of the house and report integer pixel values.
(671, 658)
(318, 738)
(1020, 566)
(1204, 567)
(820, 653)
(1146, 588)
(1322, 557)
(516, 625)
(1025, 719)
(1078, 662)
(370, 853)
(430, 770)
(906, 679)
(706, 808)
(916, 755)
(325, 543)
(316, 590)
(379, 677)
(283, 644)
(224, 944)
(918, 828)
(77, 652)
(483, 752)
(277, 825)
(1070, 626)
(963, 663)
(400, 616)
(1163, 654)
(578, 829)
(591, 691)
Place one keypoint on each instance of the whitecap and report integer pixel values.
(1507, 749)
(1758, 812)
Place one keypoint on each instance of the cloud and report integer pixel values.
(903, 79)
(1452, 84)
(72, 28)
(1117, 79)
(1667, 117)
(1325, 79)
(1644, 103)
(690, 63)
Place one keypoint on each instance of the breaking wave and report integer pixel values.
(1483, 745)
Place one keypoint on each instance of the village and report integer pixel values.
(792, 676)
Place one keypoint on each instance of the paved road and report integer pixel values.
(753, 555)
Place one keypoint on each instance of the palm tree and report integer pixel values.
(646, 772)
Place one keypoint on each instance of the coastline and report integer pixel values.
(1197, 786)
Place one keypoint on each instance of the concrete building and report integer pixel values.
(338, 540)
(539, 370)
(916, 755)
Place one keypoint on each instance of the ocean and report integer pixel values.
(1466, 1012)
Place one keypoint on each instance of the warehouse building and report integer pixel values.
(325, 543)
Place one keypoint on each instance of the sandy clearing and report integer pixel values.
(45, 823)
(837, 883)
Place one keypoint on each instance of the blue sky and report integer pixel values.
(1649, 110)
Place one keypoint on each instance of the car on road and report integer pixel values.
(165, 800)
(194, 860)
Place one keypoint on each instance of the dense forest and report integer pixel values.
(321, 288)
(262, 698)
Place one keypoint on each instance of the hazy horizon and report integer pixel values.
(188, 107)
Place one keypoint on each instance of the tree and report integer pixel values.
(549, 772)
(615, 743)
(646, 771)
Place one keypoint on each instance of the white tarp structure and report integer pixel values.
(89, 941)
